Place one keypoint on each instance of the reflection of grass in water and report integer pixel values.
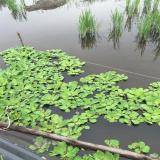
(88, 41)
(157, 51)
(87, 24)
(17, 8)
(117, 28)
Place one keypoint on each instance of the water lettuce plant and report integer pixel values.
(112, 143)
(139, 147)
(34, 84)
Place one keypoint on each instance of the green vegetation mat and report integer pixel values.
(35, 79)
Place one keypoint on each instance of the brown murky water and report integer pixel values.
(51, 25)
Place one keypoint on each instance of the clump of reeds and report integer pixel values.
(144, 28)
(149, 27)
(17, 9)
(87, 24)
(117, 27)
(132, 7)
(155, 30)
(155, 5)
(147, 6)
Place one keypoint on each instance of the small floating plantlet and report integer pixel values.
(139, 147)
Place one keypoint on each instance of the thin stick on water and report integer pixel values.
(20, 38)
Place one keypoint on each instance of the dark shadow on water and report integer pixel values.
(125, 134)
(65, 115)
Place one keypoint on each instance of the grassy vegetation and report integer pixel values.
(16, 8)
(117, 27)
(149, 27)
(87, 24)
(144, 28)
(147, 6)
(132, 7)
(155, 5)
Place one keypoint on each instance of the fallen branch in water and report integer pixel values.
(78, 143)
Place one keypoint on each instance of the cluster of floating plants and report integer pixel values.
(33, 84)
(67, 152)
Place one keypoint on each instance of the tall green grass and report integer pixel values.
(132, 7)
(147, 6)
(155, 31)
(17, 9)
(87, 24)
(155, 5)
(149, 27)
(117, 27)
(144, 28)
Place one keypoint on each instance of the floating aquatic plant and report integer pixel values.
(112, 143)
(35, 79)
(117, 27)
(139, 147)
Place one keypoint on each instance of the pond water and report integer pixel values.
(49, 24)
